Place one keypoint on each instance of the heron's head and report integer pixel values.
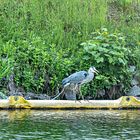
(93, 69)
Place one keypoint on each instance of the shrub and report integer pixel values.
(38, 67)
(108, 53)
(7, 52)
(39, 41)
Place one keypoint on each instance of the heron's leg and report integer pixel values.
(80, 93)
(76, 88)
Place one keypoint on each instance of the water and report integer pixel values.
(70, 125)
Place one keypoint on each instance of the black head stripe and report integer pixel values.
(85, 74)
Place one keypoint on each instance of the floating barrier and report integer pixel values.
(18, 102)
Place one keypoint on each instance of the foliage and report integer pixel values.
(35, 61)
(137, 57)
(40, 42)
(7, 52)
(108, 53)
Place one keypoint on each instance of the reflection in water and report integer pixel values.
(74, 124)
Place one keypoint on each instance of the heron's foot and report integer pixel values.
(81, 96)
(78, 101)
(86, 100)
(82, 100)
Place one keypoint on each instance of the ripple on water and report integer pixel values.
(58, 124)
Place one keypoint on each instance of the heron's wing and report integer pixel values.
(75, 78)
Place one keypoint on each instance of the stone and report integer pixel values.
(42, 97)
(71, 91)
(137, 76)
(69, 95)
(134, 91)
(20, 89)
(11, 84)
(34, 96)
(132, 69)
(101, 93)
(134, 82)
(12, 93)
(29, 96)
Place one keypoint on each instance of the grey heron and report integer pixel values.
(78, 78)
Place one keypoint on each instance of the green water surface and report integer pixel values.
(70, 124)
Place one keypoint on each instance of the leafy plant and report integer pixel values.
(7, 52)
(108, 53)
(39, 41)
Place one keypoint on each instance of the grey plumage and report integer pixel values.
(80, 77)
(76, 80)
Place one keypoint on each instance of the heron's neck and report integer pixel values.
(89, 77)
(90, 74)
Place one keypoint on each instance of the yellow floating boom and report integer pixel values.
(18, 102)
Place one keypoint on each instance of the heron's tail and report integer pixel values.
(58, 95)
(60, 92)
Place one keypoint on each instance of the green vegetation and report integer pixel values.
(109, 54)
(42, 41)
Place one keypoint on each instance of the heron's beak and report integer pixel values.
(96, 71)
